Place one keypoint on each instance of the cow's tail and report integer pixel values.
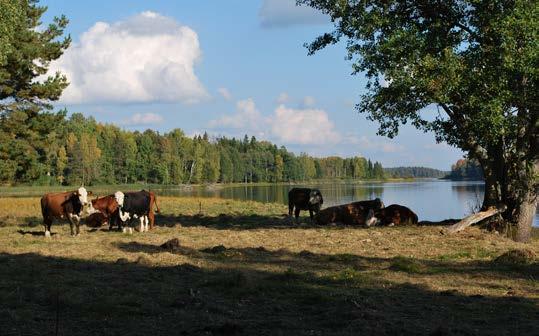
(155, 202)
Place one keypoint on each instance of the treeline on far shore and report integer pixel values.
(52, 149)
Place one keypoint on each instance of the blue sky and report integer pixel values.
(228, 68)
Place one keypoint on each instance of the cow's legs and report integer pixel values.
(74, 220)
(141, 223)
(296, 214)
(47, 224)
(311, 214)
(147, 221)
(151, 217)
(290, 208)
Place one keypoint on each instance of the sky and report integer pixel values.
(228, 68)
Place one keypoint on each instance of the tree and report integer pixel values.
(476, 61)
(25, 54)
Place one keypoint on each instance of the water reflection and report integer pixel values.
(430, 199)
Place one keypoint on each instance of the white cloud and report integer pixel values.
(148, 57)
(283, 98)
(140, 119)
(247, 117)
(308, 101)
(225, 93)
(366, 143)
(282, 13)
(303, 126)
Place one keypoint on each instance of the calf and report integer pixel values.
(356, 213)
(108, 206)
(62, 205)
(395, 215)
(96, 220)
(134, 205)
(304, 199)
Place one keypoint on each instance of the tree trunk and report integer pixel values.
(521, 219)
(506, 183)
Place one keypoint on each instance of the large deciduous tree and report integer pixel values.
(476, 61)
(26, 49)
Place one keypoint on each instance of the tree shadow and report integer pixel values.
(138, 298)
(312, 262)
(34, 233)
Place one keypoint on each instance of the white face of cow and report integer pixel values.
(119, 196)
(83, 196)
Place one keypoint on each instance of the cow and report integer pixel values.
(151, 215)
(62, 205)
(96, 219)
(356, 213)
(134, 205)
(108, 206)
(395, 214)
(304, 199)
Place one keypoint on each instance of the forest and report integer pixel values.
(414, 172)
(465, 169)
(48, 148)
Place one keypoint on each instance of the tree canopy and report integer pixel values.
(465, 70)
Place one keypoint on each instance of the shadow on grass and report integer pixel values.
(133, 298)
(312, 262)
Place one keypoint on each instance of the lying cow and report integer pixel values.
(395, 215)
(133, 205)
(304, 199)
(356, 213)
(96, 220)
(108, 206)
(65, 205)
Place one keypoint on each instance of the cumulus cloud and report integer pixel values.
(225, 93)
(303, 126)
(367, 143)
(247, 117)
(148, 57)
(282, 13)
(308, 101)
(283, 98)
(140, 119)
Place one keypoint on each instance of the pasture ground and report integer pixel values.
(243, 269)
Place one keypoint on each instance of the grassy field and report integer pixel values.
(243, 269)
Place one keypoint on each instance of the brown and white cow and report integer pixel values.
(108, 206)
(65, 205)
(356, 213)
(395, 214)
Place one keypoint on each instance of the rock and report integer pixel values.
(215, 250)
(172, 244)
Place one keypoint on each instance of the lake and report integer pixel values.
(432, 200)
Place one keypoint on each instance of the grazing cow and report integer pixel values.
(304, 199)
(134, 205)
(356, 213)
(68, 205)
(395, 215)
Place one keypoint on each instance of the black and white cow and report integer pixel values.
(133, 205)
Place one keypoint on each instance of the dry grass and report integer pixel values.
(243, 269)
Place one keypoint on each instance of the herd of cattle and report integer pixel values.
(122, 209)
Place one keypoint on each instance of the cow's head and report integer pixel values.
(82, 194)
(119, 197)
(315, 199)
(379, 203)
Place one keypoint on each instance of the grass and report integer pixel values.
(242, 268)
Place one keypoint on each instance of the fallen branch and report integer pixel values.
(477, 217)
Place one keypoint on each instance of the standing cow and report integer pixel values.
(135, 205)
(63, 205)
(304, 199)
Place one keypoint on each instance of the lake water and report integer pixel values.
(431, 200)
